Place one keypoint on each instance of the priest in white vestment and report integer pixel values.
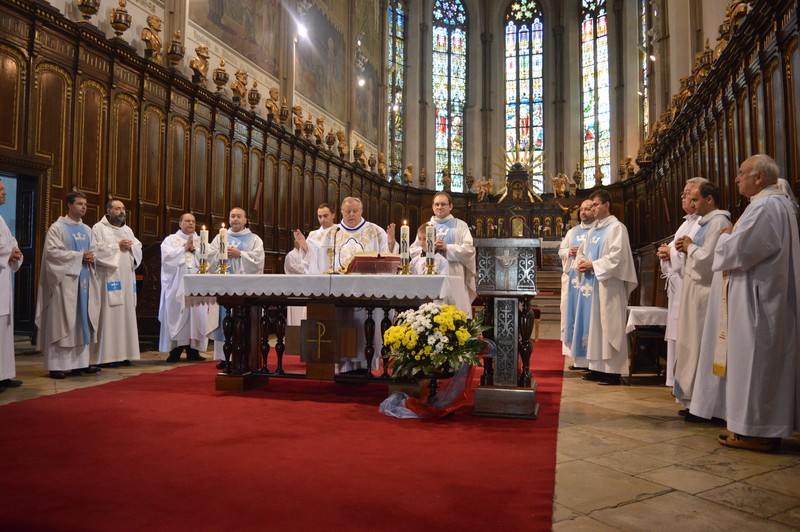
(68, 298)
(758, 349)
(117, 255)
(351, 236)
(698, 254)
(453, 242)
(245, 257)
(672, 269)
(606, 264)
(182, 327)
(10, 261)
(567, 251)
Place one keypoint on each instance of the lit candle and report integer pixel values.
(430, 238)
(404, 237)
(203, 243)
(223, 243)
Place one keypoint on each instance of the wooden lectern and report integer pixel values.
(507, 284)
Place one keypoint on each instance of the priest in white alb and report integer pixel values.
(68, 299)
(10, 261)
(758, 349)
(606, 263)
(570, 292)
(117, 255)
(672, 269)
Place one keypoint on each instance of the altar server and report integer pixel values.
(10, 261)
(573, 240)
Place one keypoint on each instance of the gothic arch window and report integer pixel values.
(397, 63)
(595, 97)
(644, 63)
(524, 106)
(449, 89)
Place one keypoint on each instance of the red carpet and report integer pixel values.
(166, 452)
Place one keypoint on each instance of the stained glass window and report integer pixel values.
(449, 89)
(644, 56)
(524, 112)
(397, 62)
(596, 135)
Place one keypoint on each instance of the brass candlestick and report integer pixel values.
(223, 266)
(404, 267)
(430, 267)
(203, 266)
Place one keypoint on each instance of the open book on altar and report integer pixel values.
(374, 262)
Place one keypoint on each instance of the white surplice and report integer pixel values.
(708, 394)
(762, 255)
(180, 325)
(672, 269)
(574, 237)
(57, 310)
(460, 254)
(251, 262)
(615, 271)
(7, 267)
(117, 332)
(694, 301)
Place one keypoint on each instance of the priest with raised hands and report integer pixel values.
(453, 242)
(245, 255)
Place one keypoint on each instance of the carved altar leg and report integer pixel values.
(369, 333)
(239, 341)
(280, 332)
(487, 379)
(264, 326)
(525, 345)
(227, 346)
(385, 324)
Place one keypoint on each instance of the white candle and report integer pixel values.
(404, 237)
(223, 243)
(430, 238)
(203, 243)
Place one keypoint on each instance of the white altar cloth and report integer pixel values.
(645, 316)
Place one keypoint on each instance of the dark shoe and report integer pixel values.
(611, 380)
(10, 383)
(576, 368)
(57, 375)
(2, 389)
(221, 364)
(91, 369)
(175, 355)
(750, 443)
(109, 365)
(594, 376)
(691, 418)
(193, 355)
(125, 363)
(683, 412)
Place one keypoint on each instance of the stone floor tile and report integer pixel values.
(786, 481)
(726, 465)
(791, 518)
(580, 442)
(628, 462)
(669, 453)
(562, 513)
(617, 488)
(581, 524)
(752, 499)
(684, 479)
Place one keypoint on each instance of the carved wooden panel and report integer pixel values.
(792, 65)
(152, 154)
(334, 196)
(201, 154)
(757, 120)
(282, 198)
(220, 163)
(177, 162)
(296, 198)
(51, 111)
(239, 171)
(776, 115)
(270, 191)
(123, 132)
(255, 184)
(90, 129)
(13, 82)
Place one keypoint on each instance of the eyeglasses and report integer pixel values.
(595, 205)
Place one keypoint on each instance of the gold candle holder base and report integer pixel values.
(223, 267)
(404, 268)
(203, 266)
(430, 267)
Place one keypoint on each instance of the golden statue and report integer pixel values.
(239, 86)
(199, 65)
(273, 103)
(152, 39)
(297, 111)
(342, 144)
(408, 175)
(382, 166)
(319, 130)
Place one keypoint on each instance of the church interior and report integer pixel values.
(278, 106)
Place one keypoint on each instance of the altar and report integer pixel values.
(247, 300)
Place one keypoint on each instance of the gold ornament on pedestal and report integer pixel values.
(121, 21)
(253, 96)
(88, 8)
(176, 50)
(220, 76)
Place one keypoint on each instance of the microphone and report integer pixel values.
(333, 252)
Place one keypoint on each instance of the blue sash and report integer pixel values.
(586, 286)
(80, 239)
(446, 231)
(577, 237)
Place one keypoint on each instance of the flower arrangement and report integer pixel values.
(434, 338)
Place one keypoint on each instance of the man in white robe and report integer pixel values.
(10, 261)
(672, 270)
(245, 257)
(117, 254)
(68, 298)
(347, 238)
(567, 251)
(182, 327)
(698, 254)
(759, 343)
(606, 264)
(453, 242)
